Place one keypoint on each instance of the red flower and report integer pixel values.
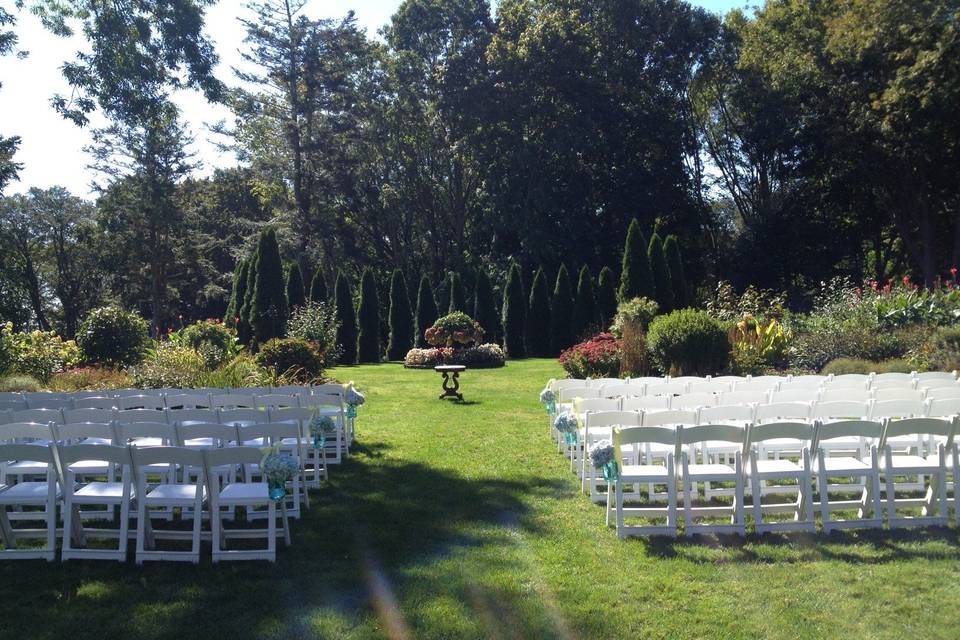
(953, 271)
(873, 285)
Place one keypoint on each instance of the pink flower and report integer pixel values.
(906, 281)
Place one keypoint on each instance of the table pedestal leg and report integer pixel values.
(451, 390)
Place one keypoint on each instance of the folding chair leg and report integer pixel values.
(619, 496)
(51, 530)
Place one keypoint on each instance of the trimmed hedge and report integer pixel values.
(112, 336)
(688, 342)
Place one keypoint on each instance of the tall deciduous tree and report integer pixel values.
(514, 314)
(368, 341)
(346, 320)
(426, 311)
(539, 318)
(636, 279)
(561, 312)
(401, 318)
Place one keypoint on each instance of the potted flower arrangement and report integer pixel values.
(603, 457)
(454, 330)
(455, 339)
(278, 469)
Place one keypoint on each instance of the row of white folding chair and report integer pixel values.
(641, 470)
(134, 464)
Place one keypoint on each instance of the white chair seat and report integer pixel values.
(843, 463)
(99, 491)
(712, 470)
(25, 492)
(244, 493)
(147, 442)
(596, 432)
(643, 471)
(89, 466)
(775, 466)
(199, 443)
(910, 462)
(25, 467)
(178, 493)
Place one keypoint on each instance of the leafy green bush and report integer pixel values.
(169, 365)
(757, 345)
(726, 304)
(89, 379)
(945, 349)
(112, 336)
(316, 322)
(38, 354)
(19, 383)
(688, 342)
(212, 339)
(291, 358)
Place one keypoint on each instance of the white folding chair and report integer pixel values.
(108, 494)
(189, 416)
(927, 376)
(897, 393)
(39, 416)
(623, 390)
(764, 386)
(599, 425)
(693, 400)
(639, 474)
(175, 401)
(332, 404)
(719, 451)
(167, 494)
(707, 471)
(581, 407)
(711, 386)
(231, 494)
(862, 468)
(848, 381)
(242, 417)
(145, 401)
(812, 383)
(646, 403)
(28, 493)
(920, 464)
(893, 381)
(794, 395)
(315, 459)
(132, 416)
(100, 416)
(670, 419)
(744, 397)
(846, 394)
(942, 393)
(278, 433)
(666, 388)
(762, 471)
(47, 400)
(943, 408)
(276, 401)
(233, 401)
(95, 402)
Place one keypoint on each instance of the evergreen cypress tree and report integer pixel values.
(484, 308)
(661, 274)
(442, 295)
(671, 248)
(368, 342)
(268, 311)
(295, 294)
(539, 317)
(237, 294)
(606, 299)
(514, 314)
(401, 319)
(584, 310)
(636, 278)
(347, 320)
(458, 300)
(318, 287)
(244, 329)
(561, 312)
(426, 311)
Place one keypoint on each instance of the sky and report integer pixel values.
(52, 149)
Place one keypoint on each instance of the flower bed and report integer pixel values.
(485, 356)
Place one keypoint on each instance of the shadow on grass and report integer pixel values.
(377, 522)
(856, 546)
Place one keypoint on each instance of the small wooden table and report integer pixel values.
(451, 383)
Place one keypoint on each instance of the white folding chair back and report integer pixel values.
(646, 403)
(848, 381)
(756, 386)
(780, 411)
(710, 386)
(233, 401)
(744, 397)
(42, 416)
(795, 395)
(926, 376)
(90, 433)
(941, 393)
(623, 390)
(897, 393)
(130, 416)
(205, 435)
(671, 417)
(566, 383)
(42, 400)
(667, 388)
(736, 414)
(571, 393)
(186, 416)
(840, 410)
(846, 394)
(276, 400)
(803, 382)
(943, 408)
(883, 409)
(95, 402)
(145, 401)
(893, 381)
(693, 400)
(88, 415)
(144, 434)
(176, 401)
(242, 417)
(582, 405)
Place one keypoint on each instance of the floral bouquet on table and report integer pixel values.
(566, 423)
(278, 468)
(603, 457)
(549, 400)
(354, 400)
(320, 427)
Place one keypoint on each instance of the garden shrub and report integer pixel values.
(726, 304)
(598, 357)
(112, 336)
(630, 325)
(291, 358)
(484, 307)
(318, 287)
(662, 282)
(346, 320)
(316, 322)
(458, 299)
(18, 383)
(38, 354)
(688, 342)
(89, 379)
(169, 365)
(671, 249)
(606, 297)
(242, 371)
(237, 293)
(636, 279)
(268, 310)
(945, 349)
(401, 318)
(514, 314)
(637, 311)
(841, 366)
(478, 357)
(585, 306)
(296, 295)
(212, 339)
(426, 312)
(757, 345)
(454, 329)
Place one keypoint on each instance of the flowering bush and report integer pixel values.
(481, 356)
(757, 344)
(725, 304)
(454, 330)
(38, 353)
(598, 357)
(638, 312)
(316, 322)
(212, 339)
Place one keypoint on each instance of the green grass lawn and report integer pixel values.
(462, 521)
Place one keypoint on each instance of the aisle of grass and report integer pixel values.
(462, 521)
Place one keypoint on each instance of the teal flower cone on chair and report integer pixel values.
(351, 411)
(277, 468)
(276, 489)
(603, 457)
(611, 471)
(570, 437)
(319, 440)
(551, 408)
